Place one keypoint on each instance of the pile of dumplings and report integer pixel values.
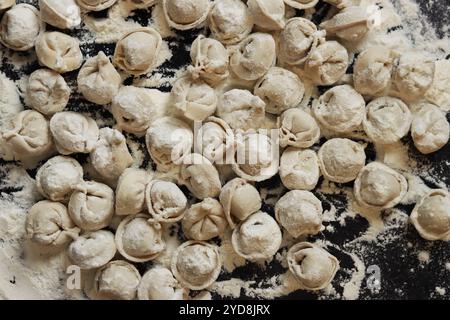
(253, 68)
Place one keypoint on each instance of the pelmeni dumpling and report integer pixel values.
(298, 129)
(313, 267)
(91, 205)
(136, 52)
(5, 4)
(165, 201)
(130, 191)
(431, 215)
(196, 264)
(300, 213)
(257, 238)
(341, 160)
(185, 14)
(47, 92)
(49, 224)
(93, 249)
(230, 21)
(204, 220)
(340, 109)
(20, 27)
(95, 5)
(387, 120)
(267, 14)
(74, 132)
(98, 80)
(254, 56)
(139, 239)
(63, 14)
(351, 23)
(241, 109)
(430, 129)
(379, 186)
(299, 169)
(57, 178)
(301, 4)
(280, 89)
(327, 63)
(58, 51)
(158, 283)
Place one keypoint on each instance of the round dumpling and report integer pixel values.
(130, 191)
(298, 129)
(301, 4)
(158, 283)
(299, 169)
(5, 4)
(267, 14)
(351, 23)
(63, 14)
(165, 201)
(185, 14)
(96, 5)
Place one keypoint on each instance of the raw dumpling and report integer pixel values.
(5, 4)
(58, 51)
(186, 14)
(196, 264)
(158, 283)
(136, 52)
(95, 5)
(257, 238)
(351, 23)
(74, 132)
(47, 92)
(298, 129)
(301, 4)
(98, 80)
(130, 191)
(267, 14)
(299, 169)
(63, 14)
(165, 201)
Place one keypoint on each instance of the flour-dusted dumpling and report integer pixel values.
(254, 56)
(196, 264)
(230, 21)
(300, 213)
(351, 23)
(185, 14)
(341, 160)
(387, 120)
(20, 27)
(47, 92)
(299, 169)
(63, 14)
(130, 191)
(58, 51)
(5, 4)
(49, 224)
(74, 132)
(267, 14)
(136, 52)
(301, 4)
(430, 129)
(96, 5)
(204, 220)
(57, 178)
(431, 215)
(139, 239)
(98, 80)
(91, 205)
(298, 129)
(158, 283)
(379, 186)
(193, 99)
(327, 63)
(280, 89)
(165, 201)
(257, 238)
(340, 109)
(241, 109)
(93, 249)
(312, 266)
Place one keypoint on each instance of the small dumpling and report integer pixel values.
(74, 132)
(257, 238)
(204, 220)
(267, 14)
(139, 239)
(298, 129)
(96, 5)
(379, 186)
(158, 283)
(241, 109)
(5, 4)
(63, 14)
(98, 80)
(59, 51)
(387, 120)
(313, 267)
(439, 91)
(301, 4)
(300, 213)
(299, 169)
(165, 201)
(47, 92)
(196, 264)
(93, 249)
(430, 129)
(130, 191)
(91, 205)
(49, 224)
(186, 14)
(230, 21)
(254, 56)
(431, 215)
(57, 178)
(20, 27)
(136, 52)
(280, 89)
(351, 23)
(340, 109)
